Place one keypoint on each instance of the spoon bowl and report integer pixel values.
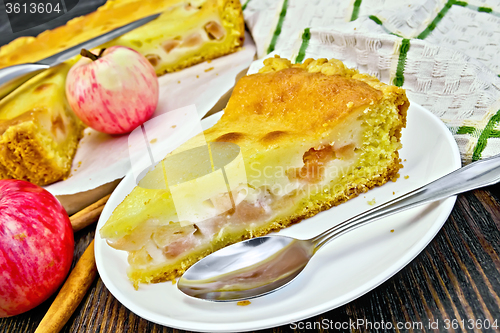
(248, 269)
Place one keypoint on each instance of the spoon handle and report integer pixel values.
(475, 175)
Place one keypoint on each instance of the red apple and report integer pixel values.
(36, 246)
(114, 92)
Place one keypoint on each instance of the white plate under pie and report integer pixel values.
(345, 269)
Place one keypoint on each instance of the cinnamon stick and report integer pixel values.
(80, 278)
(88, 215)
(71, 293)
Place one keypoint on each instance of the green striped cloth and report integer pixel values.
(444, 53)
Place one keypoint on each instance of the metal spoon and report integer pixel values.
(262, 265)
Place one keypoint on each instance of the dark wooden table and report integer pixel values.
(454, 282)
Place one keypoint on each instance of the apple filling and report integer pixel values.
(170, 50)
(316, 160)
(214, 30)
(157, 245)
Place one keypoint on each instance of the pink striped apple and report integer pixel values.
(36, 246)
(113, 92)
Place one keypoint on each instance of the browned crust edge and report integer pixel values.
(22, 157)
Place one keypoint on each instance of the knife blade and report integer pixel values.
(14, 76)
(94, 42)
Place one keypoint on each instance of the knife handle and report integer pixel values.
(13, 76)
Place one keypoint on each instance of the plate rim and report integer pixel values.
(446, 206)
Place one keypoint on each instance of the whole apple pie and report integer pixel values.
(311, 136)
(39, 133)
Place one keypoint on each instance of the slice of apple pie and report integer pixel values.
(39, 132)
(311, 136)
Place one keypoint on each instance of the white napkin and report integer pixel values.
(443, 53)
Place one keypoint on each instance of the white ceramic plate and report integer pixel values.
(343, 270)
